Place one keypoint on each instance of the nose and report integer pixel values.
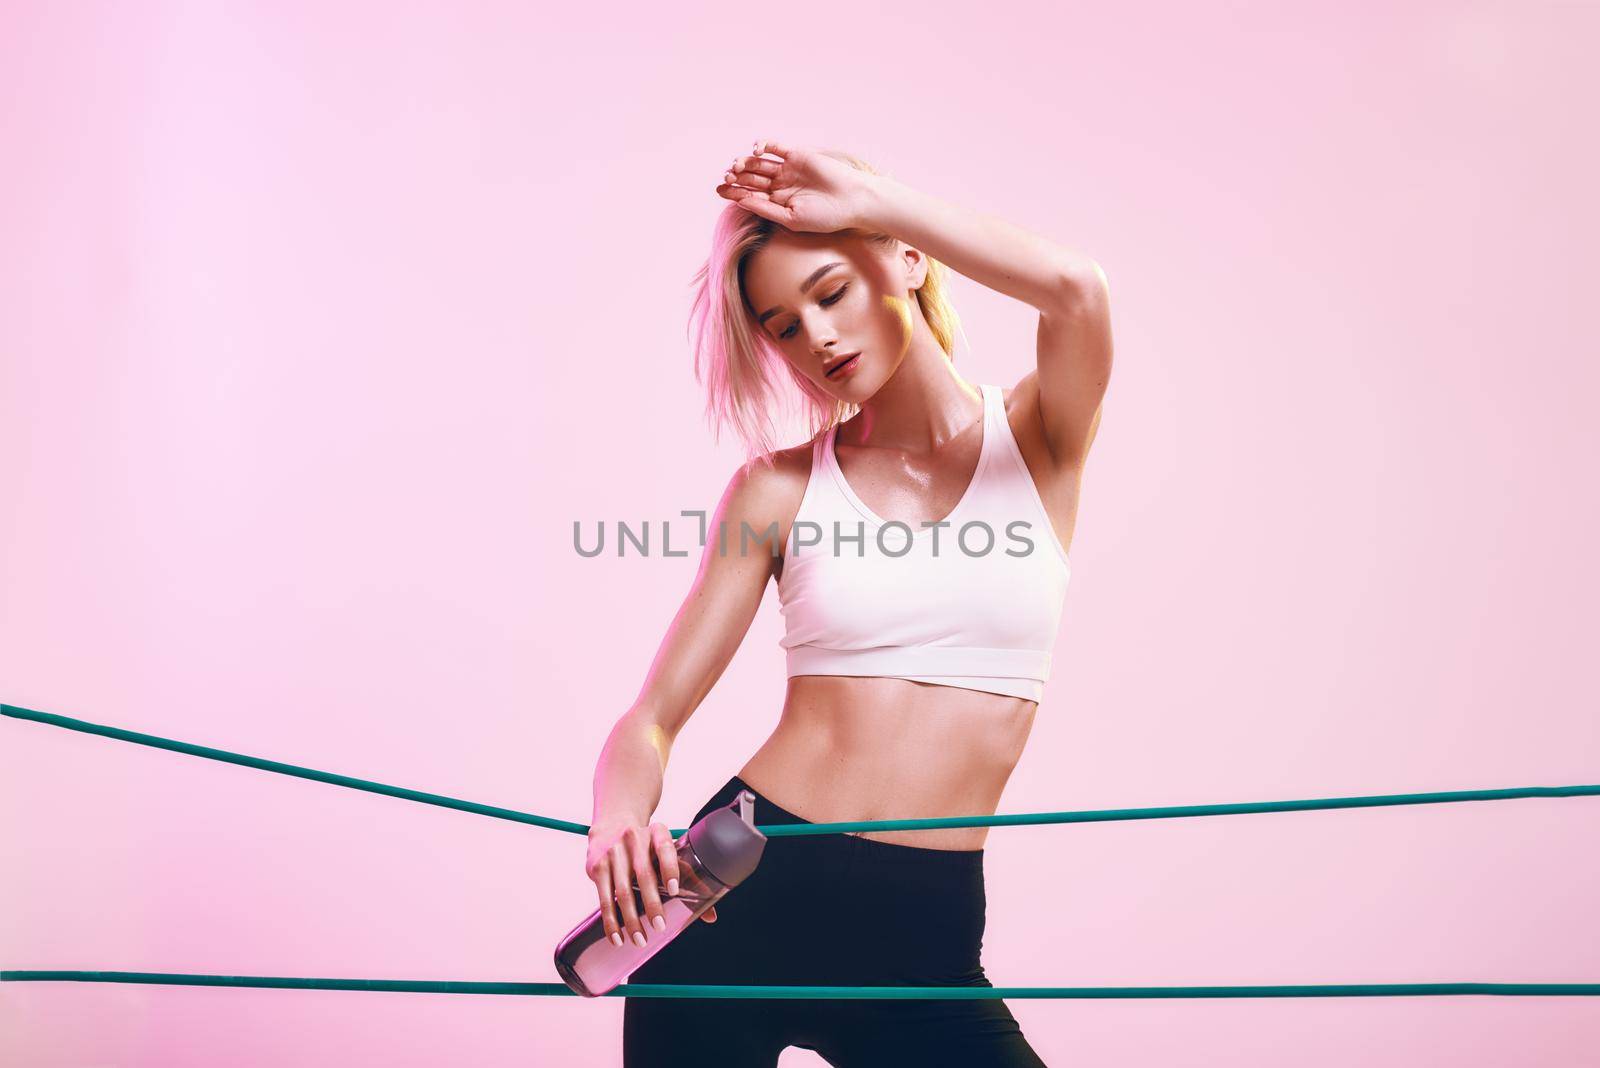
(817, 331)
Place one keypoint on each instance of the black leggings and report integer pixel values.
(830, 910)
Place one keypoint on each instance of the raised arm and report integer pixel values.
(808, 190)
(1068, 288)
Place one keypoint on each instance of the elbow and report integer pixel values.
(1080, 286)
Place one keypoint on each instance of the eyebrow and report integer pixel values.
(811, 280)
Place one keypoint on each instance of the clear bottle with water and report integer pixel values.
(714, 856)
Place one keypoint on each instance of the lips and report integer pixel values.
(829, 372)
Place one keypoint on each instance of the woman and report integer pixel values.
(919, 544)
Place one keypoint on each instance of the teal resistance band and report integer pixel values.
(786, 830)
(933, 993)
(943, 993)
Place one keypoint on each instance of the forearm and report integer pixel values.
(629, 775)
(984, 248)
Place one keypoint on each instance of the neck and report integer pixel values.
(922, 408)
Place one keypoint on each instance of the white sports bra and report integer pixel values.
(971, 600)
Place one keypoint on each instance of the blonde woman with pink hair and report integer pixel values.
(918, 541)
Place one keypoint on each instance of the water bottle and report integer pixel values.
(714, 856)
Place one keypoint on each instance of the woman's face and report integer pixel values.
(821, 297)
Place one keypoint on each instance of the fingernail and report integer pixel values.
(658, 923)
(672, 887)
(638, 939)
(616, 938)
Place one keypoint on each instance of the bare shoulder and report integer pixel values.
(766, 495)
(775, 479)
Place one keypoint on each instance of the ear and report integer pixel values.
(915, 265)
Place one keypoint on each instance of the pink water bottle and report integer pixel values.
(714, 856)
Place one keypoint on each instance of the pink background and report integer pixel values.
(319, 330)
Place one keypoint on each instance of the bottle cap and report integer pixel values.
(726, 840)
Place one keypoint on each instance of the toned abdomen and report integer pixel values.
(857, 748)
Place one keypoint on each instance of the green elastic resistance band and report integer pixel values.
(933, 993)
(796, 829)
(958, 993)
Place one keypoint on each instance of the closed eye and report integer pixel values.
(830, 299)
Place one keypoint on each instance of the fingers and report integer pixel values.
(608, 911)
(622, 883)
(639, 842)
(628, 864)
(759, 203)
(750, 167)
(748, 173)
(751, 181)
(666, 856)
(630, 876)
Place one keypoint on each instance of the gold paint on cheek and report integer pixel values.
(902, 311)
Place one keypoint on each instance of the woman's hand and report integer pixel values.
(620, 853)
(803, 189)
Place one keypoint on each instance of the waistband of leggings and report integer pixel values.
(769, 812)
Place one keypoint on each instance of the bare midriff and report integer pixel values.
(854, 748)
